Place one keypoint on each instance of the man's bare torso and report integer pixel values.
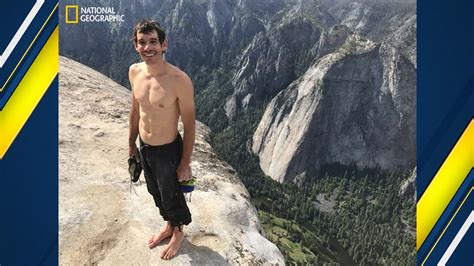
(158, 104)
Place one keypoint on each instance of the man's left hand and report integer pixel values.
(184, 172)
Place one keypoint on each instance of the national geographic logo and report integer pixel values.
(74, 14)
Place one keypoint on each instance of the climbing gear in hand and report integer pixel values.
(187, 186)
(134, 168)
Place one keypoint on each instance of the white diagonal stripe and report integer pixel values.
(19, 33)
(457, 239)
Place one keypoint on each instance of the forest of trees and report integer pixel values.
(369, 219)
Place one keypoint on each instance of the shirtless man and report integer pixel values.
(160, 94)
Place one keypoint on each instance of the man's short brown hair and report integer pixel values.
(147, 27)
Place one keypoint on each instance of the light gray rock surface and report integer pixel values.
(354, 105)
(102, 222)
(392, 22)
(277, 55)
(408, 186)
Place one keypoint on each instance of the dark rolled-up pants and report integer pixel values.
(159, 166)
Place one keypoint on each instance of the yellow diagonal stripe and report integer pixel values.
(446, 227)
(29, 92)
(444, 185)
(28, 49)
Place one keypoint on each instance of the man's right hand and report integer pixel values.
(133, 151)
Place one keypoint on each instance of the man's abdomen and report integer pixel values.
(158, 134)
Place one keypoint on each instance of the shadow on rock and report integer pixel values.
(202, 255)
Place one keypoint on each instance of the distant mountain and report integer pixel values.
(353, 105)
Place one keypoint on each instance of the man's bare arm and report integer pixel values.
(134, 117)
(188, 116)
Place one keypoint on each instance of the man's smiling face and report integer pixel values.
(149, 48)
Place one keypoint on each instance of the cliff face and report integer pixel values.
(353, 105)
(276, 55)
(393, 22)
(269, 64)
(102, 221)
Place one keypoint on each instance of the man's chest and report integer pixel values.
(156, 94)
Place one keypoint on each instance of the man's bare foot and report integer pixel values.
(173, 246)
(165, 232)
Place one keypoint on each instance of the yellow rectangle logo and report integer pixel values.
(75, 10)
